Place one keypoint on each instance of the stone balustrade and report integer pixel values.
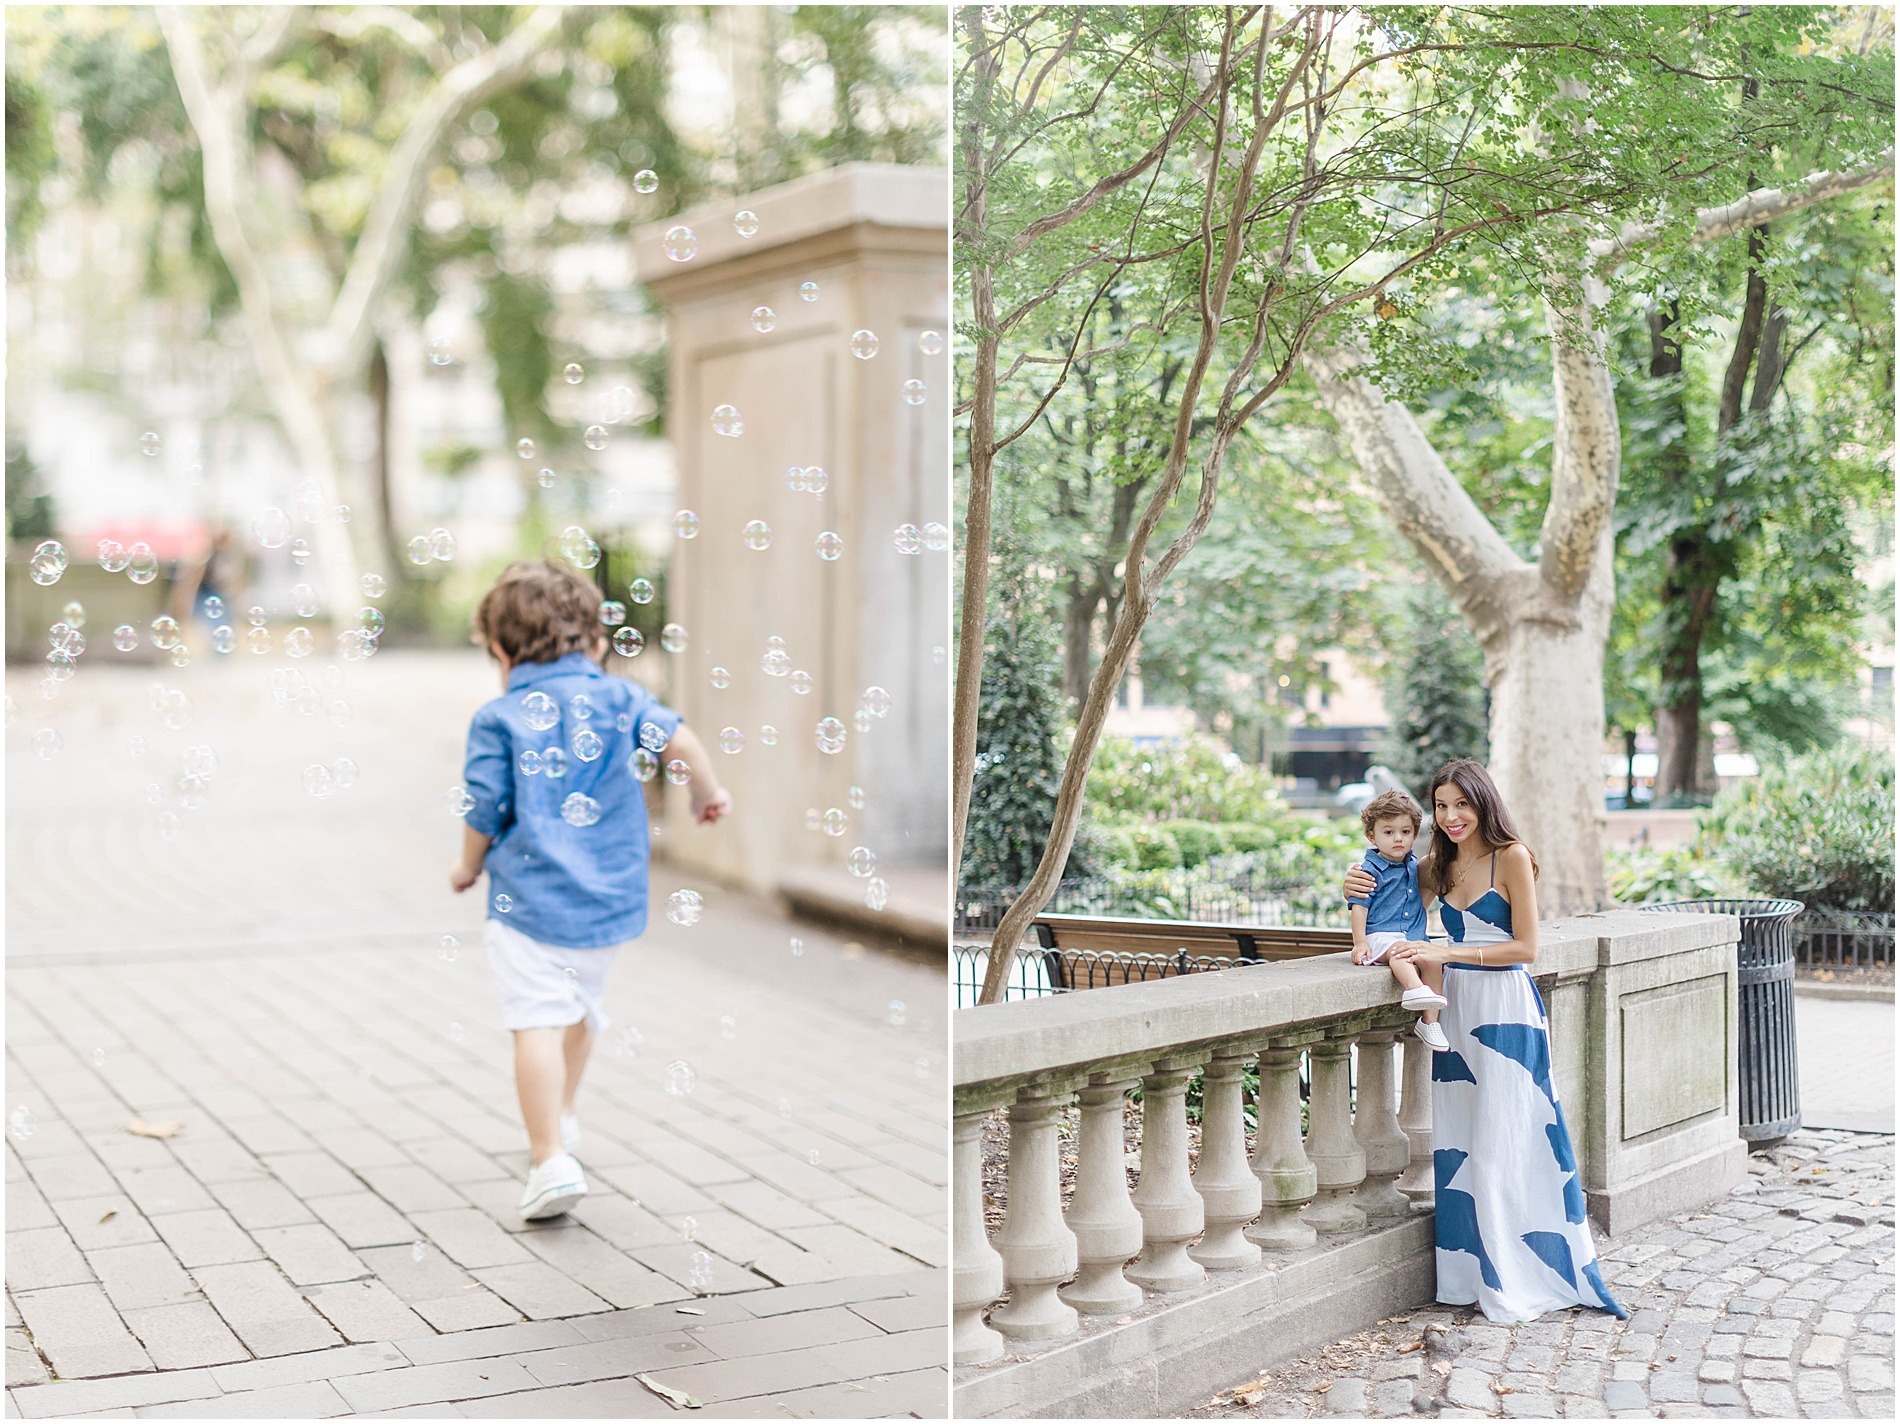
(1132, 1302)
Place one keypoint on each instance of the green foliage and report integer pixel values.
(1642, 875)
(1434, 690)
(1018, 765)
(29, 508)
(1817, 828)
(1199, 840)
(1155, 848)
(1194, 780)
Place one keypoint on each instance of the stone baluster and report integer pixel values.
(1230, 1193)
(1037, 1248)
(979, 1272)
(1287, 1176)
(1415, 1118)
(1106, 1225)
(1171, 1213)
(1329, 1141)
(1375, 1124)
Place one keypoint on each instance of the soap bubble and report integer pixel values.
(731, 741)
(168, 824)
(440, 352)
(303, 598)
(914, 393)
(895, 1014)
(745, 222)
(930, 342)
(854, 798)
(876, 701)
(939, 655)
(299, 552)
(165, 631)
(629, 641)
(298, 642)
(112, 556)
(646, 181)
(862, 861)
(683, 907)
(673, 638)
(460, 802)
(545, 479)
(213, 607)
(141, 563)
(419, 551)
(764, 318)
(861, 719)
(319, 782)
(595, 438)
(835, 822)
(797, 947)
(808, 291)
(369, 622)
(758, 535)
(573, 373)
(529, 762)
(48, 563)
(680, 243)
(373, 586)
(776, 662)
(909, 539)
(125, 637)
(644, 764)
(272, 528)
(936, 537)
(587, 744)
(864, 344)
(689, 1227)
(812, 1157)
(48, 743)
(653, 736)
(719, 677)
(524, 447)
(149, 442)
(813, 821)
(21, 1123)
(579, 810)
(640, 590)
(554, 763)
(678, 773)
(830, 736)
(768, 735)
(877, 894)
(726, 420)
(612, 614)
(345, 772)
(448, 948)
(539, 711)
(442, 544)
(258, 640)
(339, 714)
(686, 525)
(816, 479)
(679, 1077)
(829, 546)
(801, 683)
(581, 707)
(504, 903)
(341, 513)
(628, 1043)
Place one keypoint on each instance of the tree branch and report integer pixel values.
(1587, 453)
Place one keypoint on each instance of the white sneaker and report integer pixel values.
(1430, 1032)
(553, 1188)
(1422, 998)
(570, 1133)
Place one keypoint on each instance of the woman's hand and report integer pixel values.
(1419, 951)
(1359, 883)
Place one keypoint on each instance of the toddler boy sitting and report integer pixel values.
(1394, 913)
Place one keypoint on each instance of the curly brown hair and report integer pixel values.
(1388, 806)
(539, 611)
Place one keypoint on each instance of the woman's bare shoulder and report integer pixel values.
(1516, 854)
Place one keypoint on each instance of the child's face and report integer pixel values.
(1393, 837)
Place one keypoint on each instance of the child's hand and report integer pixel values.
(1362, 954)
(464, 875)
(710, 804)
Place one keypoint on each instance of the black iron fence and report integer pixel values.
(1040, 972)
(1243, 897)
(1843, 939)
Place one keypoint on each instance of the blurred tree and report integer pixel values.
(1434, 690)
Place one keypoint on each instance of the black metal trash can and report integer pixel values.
(1770, 1074)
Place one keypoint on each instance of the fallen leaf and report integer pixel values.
(678, 1398)
(139, 1127)
(1502, 1388)
(1412, 1348)
(1250, 1396)
(1322, 1386)
(108, 1216)
(687, 1310)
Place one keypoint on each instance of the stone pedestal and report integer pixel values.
(872, 239)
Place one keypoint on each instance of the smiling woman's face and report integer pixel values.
(1453, 813)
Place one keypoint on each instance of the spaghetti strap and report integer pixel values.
(1494, 869)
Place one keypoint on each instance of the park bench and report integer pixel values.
(1092, 952)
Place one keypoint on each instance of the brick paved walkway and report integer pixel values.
(1777, 1303)
(332, 1229)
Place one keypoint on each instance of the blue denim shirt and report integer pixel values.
(578, 886)
(1394, 906)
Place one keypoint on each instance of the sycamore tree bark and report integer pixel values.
(303, 372)
(1542, 625)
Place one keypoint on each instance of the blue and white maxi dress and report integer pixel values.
(1513, 1238)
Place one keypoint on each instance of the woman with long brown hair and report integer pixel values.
(1513, 1237)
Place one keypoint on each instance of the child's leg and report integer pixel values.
(577, 1041)
(1405, 972)
(540, 1080)
(1433, 976)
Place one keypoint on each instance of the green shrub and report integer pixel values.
(1817, 828)
(1642, 875)
(1199, 841)
(1244, 837)
(1194, 781)
(1155, 848)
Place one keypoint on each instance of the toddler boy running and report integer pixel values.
(559, 822)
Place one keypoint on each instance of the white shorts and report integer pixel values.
(546, 985)
(1378, 943)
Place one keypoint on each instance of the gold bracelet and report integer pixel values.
(1481, 955)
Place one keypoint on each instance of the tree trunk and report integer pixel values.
(1078, 635)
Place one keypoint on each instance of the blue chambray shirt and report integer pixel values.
(1394, 906)
(581, 887)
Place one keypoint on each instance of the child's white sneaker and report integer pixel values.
(553, 1188)
(1422, 998)
(1433, 1035)
(570, 1133)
